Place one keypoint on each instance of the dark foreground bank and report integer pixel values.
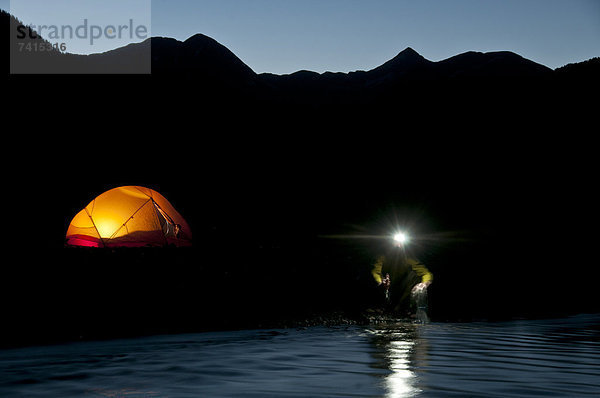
(87, 294)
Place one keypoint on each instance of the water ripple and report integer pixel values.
(512, 359)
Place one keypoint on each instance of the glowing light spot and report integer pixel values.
(400, 238)
(106, 227)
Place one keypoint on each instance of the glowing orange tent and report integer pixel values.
(129, 217)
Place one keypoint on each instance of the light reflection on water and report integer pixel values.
(395, 351)
(557, 357)
(401, 381)
(525, 358)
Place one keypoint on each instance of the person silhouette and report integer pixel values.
(398, 276)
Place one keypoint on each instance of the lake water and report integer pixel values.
(559, 357)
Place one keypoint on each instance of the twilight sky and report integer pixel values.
(283, 36)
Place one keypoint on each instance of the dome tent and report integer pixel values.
(129, 217)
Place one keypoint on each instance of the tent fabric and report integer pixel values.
(129, 217)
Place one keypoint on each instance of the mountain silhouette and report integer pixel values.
(405, 63)
(199, 55)
(493, 64)
(204, 60)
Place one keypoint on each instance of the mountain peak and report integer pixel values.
(405, 61)
(200, 38)
(203, 42)
(200, 55)
(409, 52)
(408, 55)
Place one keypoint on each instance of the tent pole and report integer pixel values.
(129, 219)
(96, 228)
(156, 206)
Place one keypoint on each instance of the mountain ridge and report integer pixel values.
(221, 73)
(203, 46)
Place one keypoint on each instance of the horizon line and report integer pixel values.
(310, 70)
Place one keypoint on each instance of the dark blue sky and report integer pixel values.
(283, 36)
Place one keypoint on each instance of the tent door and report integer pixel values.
(169, 228)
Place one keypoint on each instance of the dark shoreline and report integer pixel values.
(333, 319)
(72, 294)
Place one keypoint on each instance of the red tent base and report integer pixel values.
(89, 241)
(84, 241)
